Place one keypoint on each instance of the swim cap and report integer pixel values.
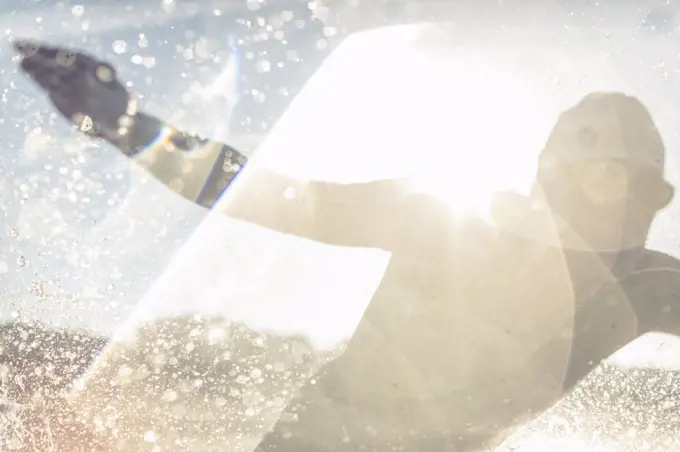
(604, 126)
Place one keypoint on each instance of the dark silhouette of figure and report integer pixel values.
(476, 324)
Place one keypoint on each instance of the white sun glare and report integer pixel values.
(480, 121)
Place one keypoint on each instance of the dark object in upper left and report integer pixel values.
(85, 90)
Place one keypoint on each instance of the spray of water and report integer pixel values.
(223, 94)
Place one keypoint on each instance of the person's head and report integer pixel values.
(602, 171)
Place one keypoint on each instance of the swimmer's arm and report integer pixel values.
(363, 215)
(195, 167)
(357, 215)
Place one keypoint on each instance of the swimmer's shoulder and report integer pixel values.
(653, 288)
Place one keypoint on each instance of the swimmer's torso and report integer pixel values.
(454, 339)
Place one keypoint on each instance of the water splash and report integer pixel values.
(224, 93)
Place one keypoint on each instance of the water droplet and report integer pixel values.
(120, 47)
(169, 395)
(150, 436)
(104, 74)
(263, 66)
(83, 122)
(65, 58)
(143, 41)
